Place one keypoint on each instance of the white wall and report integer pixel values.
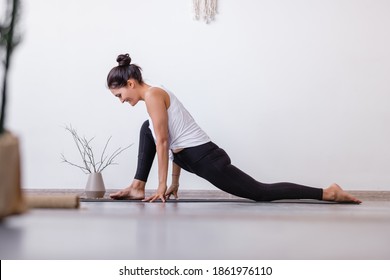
(293, 90)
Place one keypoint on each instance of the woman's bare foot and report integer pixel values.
(337, 194)
(135, 191)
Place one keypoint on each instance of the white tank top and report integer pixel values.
(183, 131)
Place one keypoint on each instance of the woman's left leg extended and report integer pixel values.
(213, 164)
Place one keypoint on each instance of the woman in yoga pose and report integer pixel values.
(171, 129)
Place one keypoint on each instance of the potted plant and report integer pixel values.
(92, 165)
(11, 200)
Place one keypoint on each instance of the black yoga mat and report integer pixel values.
(187, 200)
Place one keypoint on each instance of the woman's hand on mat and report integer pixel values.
(173, 190)
(160, 194)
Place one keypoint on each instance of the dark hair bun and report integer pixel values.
(123, 60)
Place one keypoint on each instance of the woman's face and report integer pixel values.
(126, 94)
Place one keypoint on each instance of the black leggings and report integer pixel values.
(213, 164)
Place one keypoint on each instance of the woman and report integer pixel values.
(171, 128)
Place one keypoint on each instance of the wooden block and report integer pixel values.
(11, 198)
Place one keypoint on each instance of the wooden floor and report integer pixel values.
(202, 230)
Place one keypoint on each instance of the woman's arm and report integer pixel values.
(174, 188)
(156, 103)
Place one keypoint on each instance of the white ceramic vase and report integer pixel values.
(95, 186)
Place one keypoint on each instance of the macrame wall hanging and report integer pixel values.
(205, 9)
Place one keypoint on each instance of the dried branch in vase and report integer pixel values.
(89, 163)
(9, 39)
